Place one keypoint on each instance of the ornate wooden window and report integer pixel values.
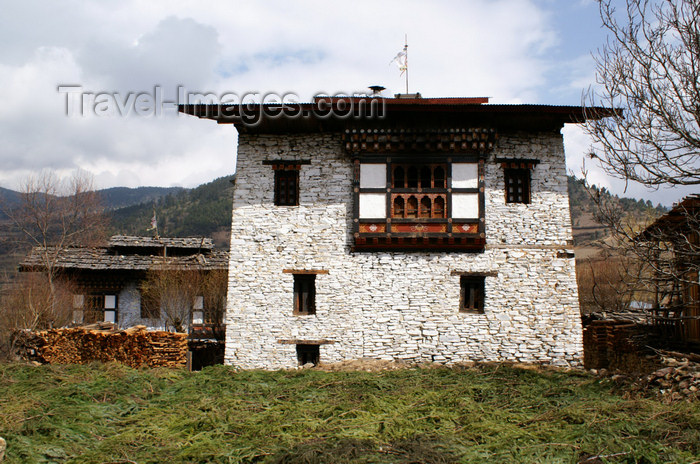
(517, 185)
(287, 187)
(99, 308)
(516, 176)
(471, 298)
(286, 180)
(304, 294)
(406, 202)
(406, 179)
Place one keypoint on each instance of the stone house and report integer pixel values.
(411, 229)
(107, 280)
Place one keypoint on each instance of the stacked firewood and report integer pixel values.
(679, 380)
(607, 343)
(135, 347)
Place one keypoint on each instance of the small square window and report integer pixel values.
(471, 294)
(286, 187)
(308, 354)
(304, 294)
(517, 185)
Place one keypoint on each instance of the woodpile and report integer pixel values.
(135, 347)
(680, 380)
(608, 345)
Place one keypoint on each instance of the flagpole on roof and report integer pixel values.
(401, 60)
(405, 49)
(154, 223)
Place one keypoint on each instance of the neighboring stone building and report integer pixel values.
(108, 279)
(400, 229)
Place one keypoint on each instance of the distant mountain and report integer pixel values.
(112, 198)
(204, 210)
(120, 197)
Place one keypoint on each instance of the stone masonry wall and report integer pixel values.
(393, 305)
(129, 309)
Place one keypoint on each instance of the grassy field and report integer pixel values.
(108, 413)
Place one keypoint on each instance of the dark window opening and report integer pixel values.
(439, 209)
(399, 177)
(439, 177)
(398, 207)
(286, 187)
(426, 176)
(304, 294)
(517, 185)
(412, 177)
(425, 207)
(471, 294)
(308, 354)
(412, 207)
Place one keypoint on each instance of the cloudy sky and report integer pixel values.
(514, 51)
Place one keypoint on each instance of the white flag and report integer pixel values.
(401, 61)
(154, 222)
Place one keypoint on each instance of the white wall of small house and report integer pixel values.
(129, 309)
(397, 305)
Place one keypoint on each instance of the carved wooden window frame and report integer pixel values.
(517, 173)
(445, 233)
(517, 185)
(286, 172)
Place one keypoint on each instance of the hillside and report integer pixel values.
(121, 197)
(204, 210)
(586, 228)
(12, 244)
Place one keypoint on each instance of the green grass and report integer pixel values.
(101, 413)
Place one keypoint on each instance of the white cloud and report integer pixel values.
(501, 49)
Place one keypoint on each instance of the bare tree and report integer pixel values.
(650, 69)
(603, 284)
(55, 214)
(171, 292)
(30, 303)
(50, 216)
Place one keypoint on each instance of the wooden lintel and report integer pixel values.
(475, 273)
(285, 162)
(304, 342)
(305, 271)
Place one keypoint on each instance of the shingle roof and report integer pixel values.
(202, 243)
(115, 257)
(681, 215)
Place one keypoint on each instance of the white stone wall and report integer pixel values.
(129, 309)
(393, 305)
